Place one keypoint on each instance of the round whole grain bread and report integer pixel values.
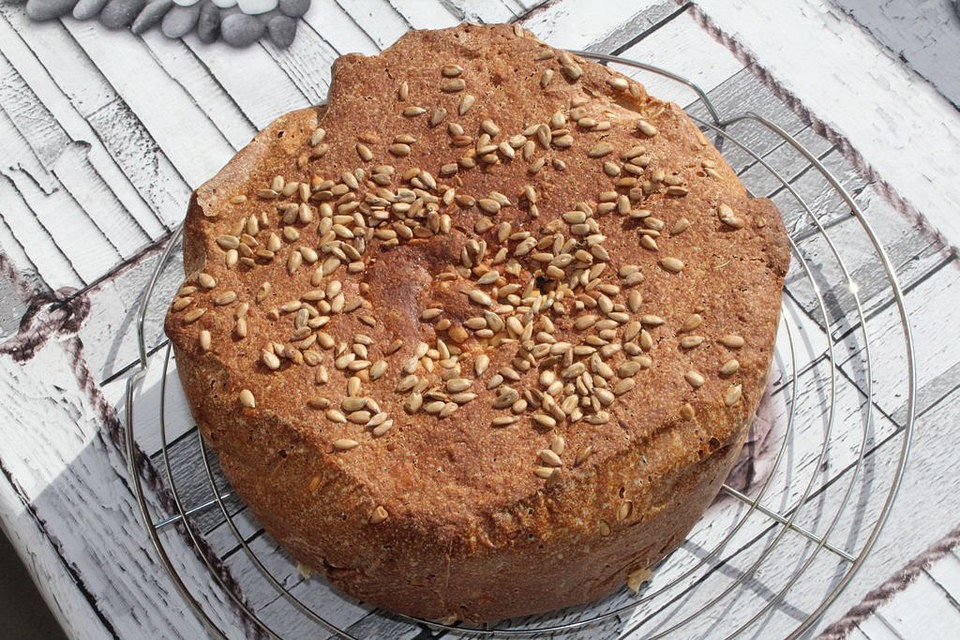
(483, 336)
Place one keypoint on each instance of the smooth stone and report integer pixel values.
(87, 9)
(48, 9)
(208, 25)
(294, 8)
(180, 21)
(186, 3)
(120, 13)
(151, 15)
(225, 4)
(256, 7)
(282, 30)
(240, 30)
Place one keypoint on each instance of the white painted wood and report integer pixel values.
(892, 118)
(424, 15)
(51, 575)
(88, 108)
(938, 618)
(72, 474)
(922, 34)
(708, 67)
(579, 25)
(189, 138)
(26, 231)
(327, 17)
(946, 573)
(181, 63)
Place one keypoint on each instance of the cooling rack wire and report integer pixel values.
(739, 565)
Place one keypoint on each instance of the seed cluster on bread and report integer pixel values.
(492, 299)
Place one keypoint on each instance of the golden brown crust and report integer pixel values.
(452, 516)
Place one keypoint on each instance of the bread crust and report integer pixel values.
(469, 529)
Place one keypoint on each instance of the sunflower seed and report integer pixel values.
(646, 128)
(673, 265)
(694, 379)
(382, 428)
(732, 395)
(600, 150)
(550, 458)
(193, 315)
(679, 226)
(729, 367)
(545, 78)
(247, 400)
(451, 70)
(466, 102)
(344, 444)
(364, 152)
(731, 341)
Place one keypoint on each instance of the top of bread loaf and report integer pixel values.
(489, 272)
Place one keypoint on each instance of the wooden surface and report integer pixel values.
(106, 133)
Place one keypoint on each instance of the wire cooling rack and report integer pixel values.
(775, 551)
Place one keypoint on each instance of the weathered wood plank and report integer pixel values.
(178, 60)
(488, 10)
(89, 109)
(913, 253)
(709, 67)
(327, 17)
(937, 618)
(382, 22)
(71, 473)
(934, 308)
(946, 573)
(424, 15)
(64, 165)
(48, 567)
(576, 24)
(922, 34)
(53, 219)
(179, 137)
(251, 79)
(784, 38)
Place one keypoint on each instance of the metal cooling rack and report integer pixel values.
(696, 582)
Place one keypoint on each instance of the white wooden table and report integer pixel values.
(103, 135)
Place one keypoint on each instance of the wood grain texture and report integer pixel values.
(81, 137)
(925, 35)
(783, 39)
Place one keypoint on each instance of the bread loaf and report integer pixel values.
(483, 336)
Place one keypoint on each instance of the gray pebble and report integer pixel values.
(240, 30)
(14, 1)
(180, 21)
(282, 31)
(294, 8)
(48, 9)
(208, 25)
(119, 13)
(151, 15)
(87, 9)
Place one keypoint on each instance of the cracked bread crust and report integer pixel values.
(453, 516)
